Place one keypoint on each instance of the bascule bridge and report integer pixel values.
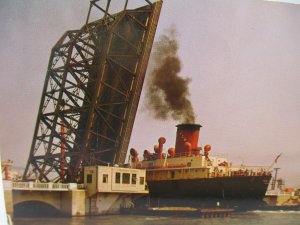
(91, 92)
(88, 105)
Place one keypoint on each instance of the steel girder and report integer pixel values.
(91, 93)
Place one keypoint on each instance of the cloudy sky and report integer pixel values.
(242, 58)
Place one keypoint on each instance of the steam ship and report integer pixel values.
(188, 173)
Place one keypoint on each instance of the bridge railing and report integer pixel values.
(43, 186)
(81, 186)
(20, 185)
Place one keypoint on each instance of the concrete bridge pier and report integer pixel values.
(8, 196)
(72, 203)
(69, 203)
(30, 198)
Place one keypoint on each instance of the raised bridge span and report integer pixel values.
(89, 101)
(91, 92)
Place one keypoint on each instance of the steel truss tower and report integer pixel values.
(91, 93)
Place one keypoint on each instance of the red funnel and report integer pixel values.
(187, 133)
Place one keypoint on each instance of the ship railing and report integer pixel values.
(165, 155)
(251, 169)
(279, 193)
(239, 174)
(249, 173)
(241, 171)
(178, 155)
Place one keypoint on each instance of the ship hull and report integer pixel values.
(231, 191)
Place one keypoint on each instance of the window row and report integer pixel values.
(128, 178)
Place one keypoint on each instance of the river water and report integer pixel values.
(248, 218)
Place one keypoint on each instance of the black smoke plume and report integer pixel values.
(167, 93)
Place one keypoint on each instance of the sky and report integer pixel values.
(242, 58)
